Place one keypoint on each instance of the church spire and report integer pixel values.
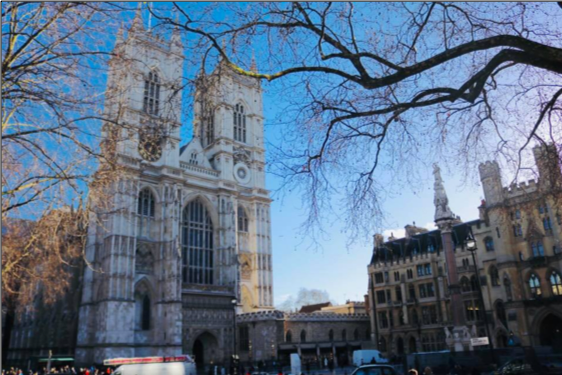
(253, 66)
(137, 21)
(442, 210)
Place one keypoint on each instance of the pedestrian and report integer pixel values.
(373, 361)
(427, 371)
(413, 372)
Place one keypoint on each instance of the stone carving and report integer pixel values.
(242, 156)
(442, 210)
(246, 271)
(144, 261)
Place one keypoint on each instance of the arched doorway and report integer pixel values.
(205, 349)
(412, 345)
(551, 331)
(199, 352)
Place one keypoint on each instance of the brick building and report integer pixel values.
(518, 261)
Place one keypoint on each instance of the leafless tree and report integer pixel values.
(52, 96)
(379, 91)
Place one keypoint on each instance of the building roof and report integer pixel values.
(421, 243)
(312, 308)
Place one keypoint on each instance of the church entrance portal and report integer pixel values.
(205, 349)
(551, 332)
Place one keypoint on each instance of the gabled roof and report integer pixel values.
(194, 147)
(420, 243)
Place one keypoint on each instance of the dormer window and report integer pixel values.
(151, 101)
(239, 123)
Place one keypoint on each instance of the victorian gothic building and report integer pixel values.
(418, 292)
(185, 239)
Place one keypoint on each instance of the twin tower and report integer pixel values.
(184, 240)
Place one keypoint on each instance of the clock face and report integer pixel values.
(150, 144)
(242, 173)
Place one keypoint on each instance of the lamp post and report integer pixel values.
(471, 246)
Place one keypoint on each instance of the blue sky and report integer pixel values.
(330, 263)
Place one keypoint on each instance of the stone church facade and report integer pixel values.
(188, 239)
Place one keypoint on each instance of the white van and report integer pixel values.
(364, 357)
(179, 365)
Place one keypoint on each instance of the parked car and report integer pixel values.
(374, 370)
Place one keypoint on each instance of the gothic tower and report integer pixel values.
(228, 122)
(188, 232)
(131, 300)
(490, 176)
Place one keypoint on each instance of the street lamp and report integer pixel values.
(471, 246)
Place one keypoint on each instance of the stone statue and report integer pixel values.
(442, 210)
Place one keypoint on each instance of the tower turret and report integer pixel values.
(490, 176)
(549, 165)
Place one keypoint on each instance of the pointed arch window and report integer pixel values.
(145, 205)
(288, 337)
(500, 313)
(239, 123)
(303, 336)
(331, 335)
(208, 128)
(465, 285)
(145, 319)
(344, 335)
(556, 283)
(494, 276)
(507, 287)
(535, 285)
(197, 244)
(242, 220)
(473, 283)
(142, 308)
(151, 101)
(356, 335)
(489, 243)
